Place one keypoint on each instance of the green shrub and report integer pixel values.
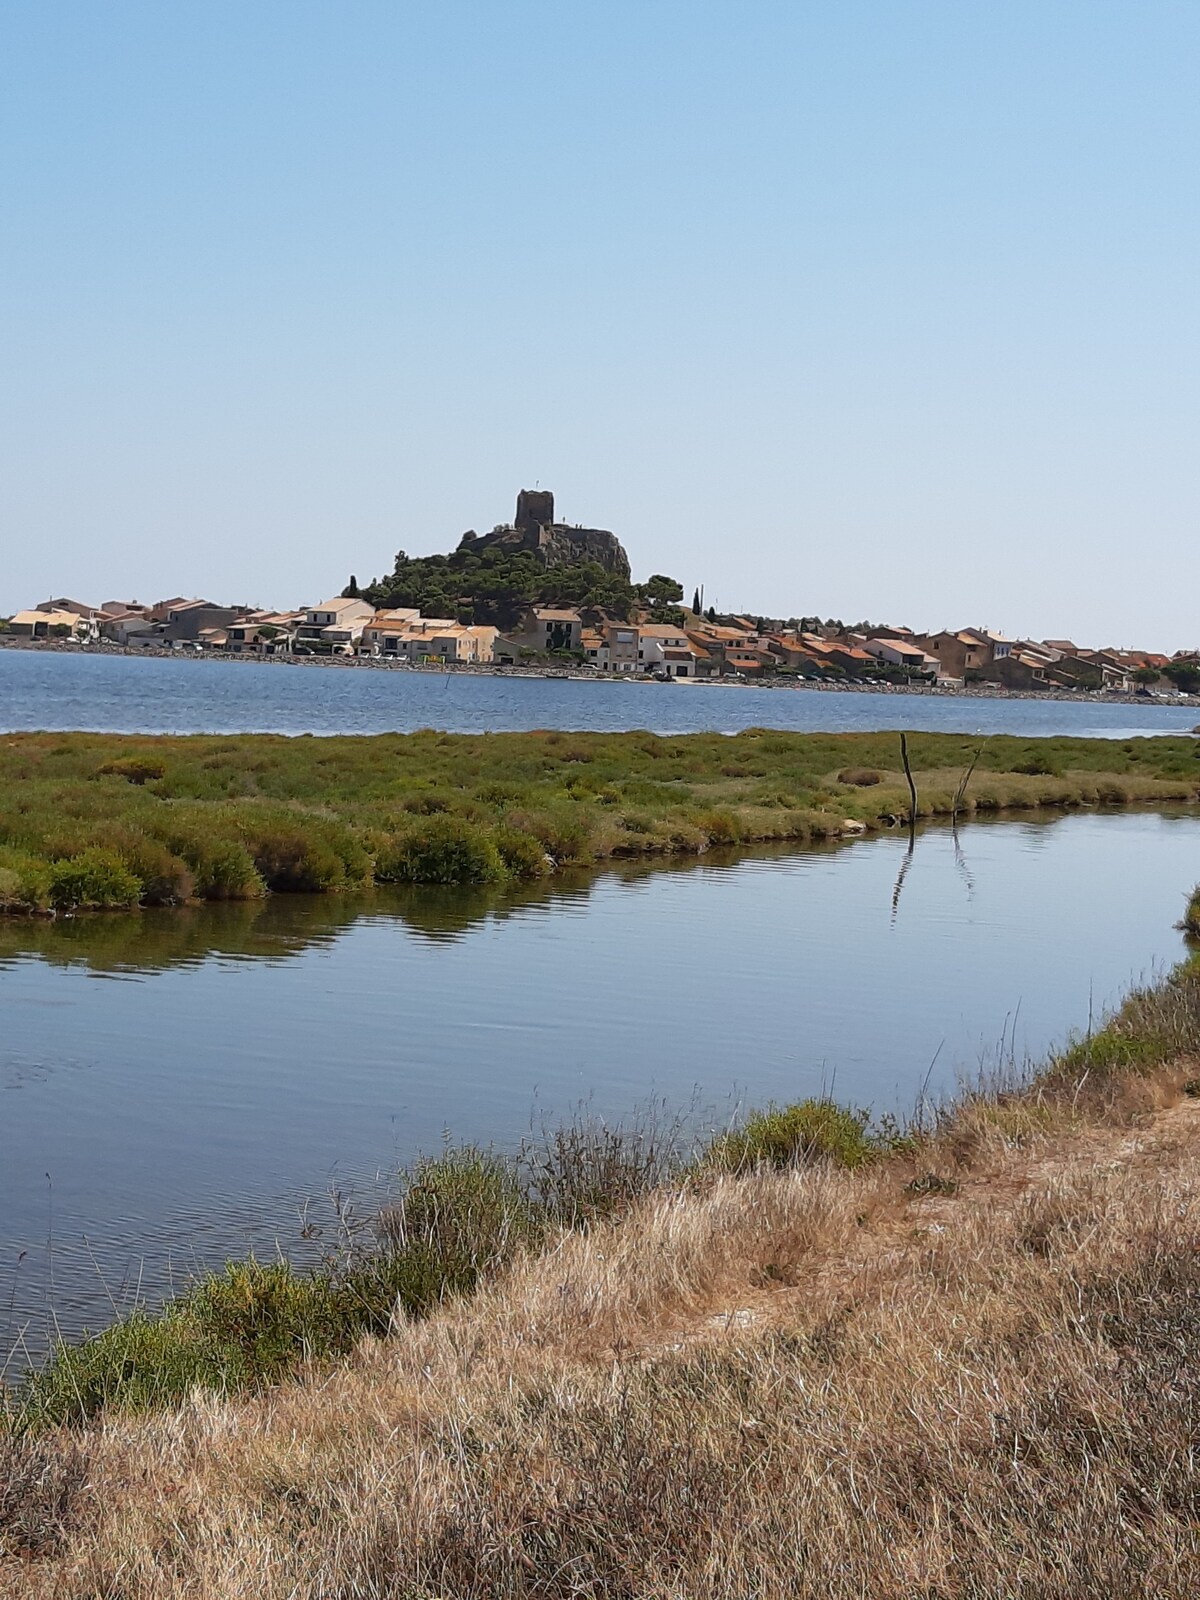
(586, 1170)
(461, 1215)
(24, 880)
(164, 878)
(860, 777)
(501, 794)
(140, 1362)
(93, 879)
(564, 833)
(293, 859)
(426, 805)
(1191, 917)
(442, 850)
(721, 827)
(262, 1319)
(523, 856)
(134, 769)
(225, 871)
(805, 1134)
(242, 1328)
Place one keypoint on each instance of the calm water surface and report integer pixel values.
(178, 1084)
(125, 694)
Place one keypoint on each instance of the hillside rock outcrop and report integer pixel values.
(556, 544)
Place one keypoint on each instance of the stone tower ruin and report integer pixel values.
(535, 509)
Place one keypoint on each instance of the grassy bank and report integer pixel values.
(813, 1358)
(109, 821)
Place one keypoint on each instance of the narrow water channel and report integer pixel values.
(181, 1085)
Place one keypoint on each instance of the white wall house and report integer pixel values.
(334, 625)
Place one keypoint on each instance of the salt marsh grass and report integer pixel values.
(101, 821)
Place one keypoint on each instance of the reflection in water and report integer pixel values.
(905, 863)
(280, 927)
(960, 861)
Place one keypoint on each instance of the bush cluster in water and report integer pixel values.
(100, 821)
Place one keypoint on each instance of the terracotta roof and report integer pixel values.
(901, 645)
(52, 619)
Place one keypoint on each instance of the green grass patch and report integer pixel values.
(809, 1133)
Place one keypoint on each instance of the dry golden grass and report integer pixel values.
(800, 1383)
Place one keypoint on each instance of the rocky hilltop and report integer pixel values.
(556, 544)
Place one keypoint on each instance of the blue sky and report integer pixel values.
(871, 309)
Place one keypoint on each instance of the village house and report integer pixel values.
(77, 608)
(717, 641)
(666, 649)
(1021, 669)
(1001, 646)
(435, 639)
(791, 652)
(186, 620)
(54, 624)
(334, 627)
(850, 659)
(546, 630)
(960, 653)
(591, 642)
(266, 633)
(381, 636)
(899, 653)
(128, 628)
(619, 652)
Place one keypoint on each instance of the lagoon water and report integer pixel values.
(182, 1084)
(61, 691)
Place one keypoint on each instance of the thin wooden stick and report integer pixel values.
(912, 788)
(960, 794)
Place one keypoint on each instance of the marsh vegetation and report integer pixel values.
(106, 821)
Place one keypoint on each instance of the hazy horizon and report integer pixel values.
(875, 311)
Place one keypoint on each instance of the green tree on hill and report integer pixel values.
(494, 585)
